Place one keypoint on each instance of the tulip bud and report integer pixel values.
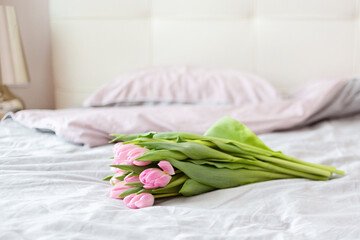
(154, 178)
(141, 200)
(131, 179)
(118, 189)
(114, 179)
(125, 154)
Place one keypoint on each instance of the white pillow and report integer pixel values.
(182, 85)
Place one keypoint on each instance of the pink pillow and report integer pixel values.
(182, 85)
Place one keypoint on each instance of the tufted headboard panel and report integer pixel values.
(288, 42)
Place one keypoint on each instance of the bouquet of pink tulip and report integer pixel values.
(158, 165)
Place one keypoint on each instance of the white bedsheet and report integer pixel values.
(52, 189)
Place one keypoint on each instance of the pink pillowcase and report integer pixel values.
(182, 85)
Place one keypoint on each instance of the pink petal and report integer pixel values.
(141, 200)
(131, 179)
(146, 200)
(143, 175)
(141, 163)
(118, 189)
(154, 178)
(167, 167)
(128, 147)
(120, 172)
(115, 194)
(121, 162)
(136, 153)
(154, 174)
(121, 186)
(162, 181)
(118, 148)
(121, 150)
(128, 199)
(132, 203)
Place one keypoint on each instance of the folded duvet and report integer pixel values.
(91, 126)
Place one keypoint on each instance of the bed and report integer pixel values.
(52, 161)
(51, 188)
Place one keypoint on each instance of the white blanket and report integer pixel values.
(52, 189)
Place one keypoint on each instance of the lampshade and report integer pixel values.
(13, 66)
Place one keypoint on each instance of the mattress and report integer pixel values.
(52, 189)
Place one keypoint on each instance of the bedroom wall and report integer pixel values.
(287, 42)
(33, 17)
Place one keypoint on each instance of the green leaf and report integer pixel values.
(166, 195)
(130, 137)
(144, 190)
(228, 147)
(192, 187)
(175, 135)
(229, 165)
(121, 178)
(203, 142)
(131, 174)
(141, 140)
(131, 168)
(135, 184)
(130, 191)
(192, 150)
(197, 151)
(158, 155)
(179, 139)
(225, 178)
(108, 177)
(249, 152)
(175, 189)
(229, 128)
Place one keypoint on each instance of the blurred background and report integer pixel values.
(287, 42)
(34, 23)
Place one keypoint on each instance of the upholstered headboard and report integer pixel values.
(287, 42)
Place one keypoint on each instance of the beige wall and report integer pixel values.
(33, 17)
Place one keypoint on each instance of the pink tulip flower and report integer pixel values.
(131, 179)
(139, 201)
(114, 180)
(167, 167)
(154, 177)
(118, 189)
(125, 154)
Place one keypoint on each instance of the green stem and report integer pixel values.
(319, 166)
(295, 166)
(247, 149)
(282, 169)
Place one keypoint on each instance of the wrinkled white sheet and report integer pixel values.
(52, 189)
